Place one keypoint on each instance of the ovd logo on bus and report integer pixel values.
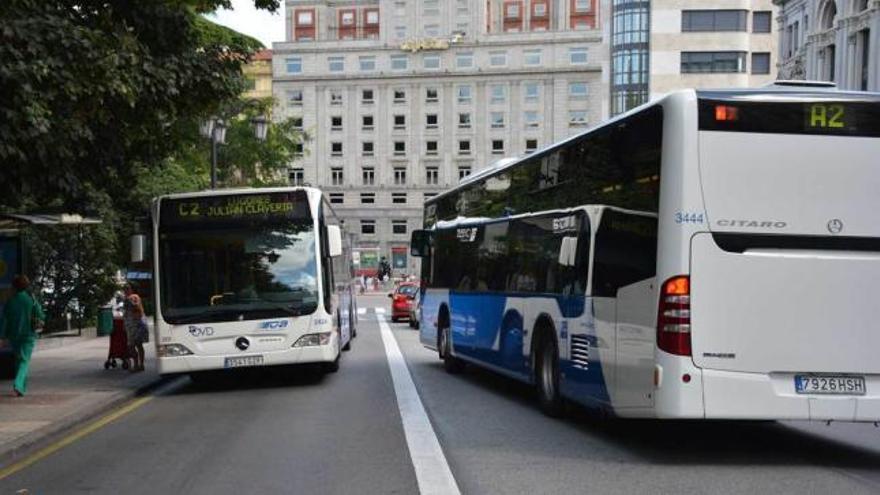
(201, 331)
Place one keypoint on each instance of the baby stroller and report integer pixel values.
(118, 346)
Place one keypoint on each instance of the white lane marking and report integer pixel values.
(362, 311)
(432, 470)
(379, 311)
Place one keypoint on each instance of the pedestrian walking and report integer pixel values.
(22, 319)
(135, 327)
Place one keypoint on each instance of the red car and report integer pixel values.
(401, 301)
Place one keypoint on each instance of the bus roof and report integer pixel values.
(767, 93)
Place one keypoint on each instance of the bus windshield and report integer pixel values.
(238, 270)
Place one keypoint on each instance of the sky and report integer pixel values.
(260, 24)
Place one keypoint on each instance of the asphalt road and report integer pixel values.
(295, 432)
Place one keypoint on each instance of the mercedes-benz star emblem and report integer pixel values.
(242, 343)
(835, 226)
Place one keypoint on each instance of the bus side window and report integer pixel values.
(626, 251)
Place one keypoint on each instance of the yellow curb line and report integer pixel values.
(73, 437)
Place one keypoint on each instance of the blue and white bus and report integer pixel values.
(250, 277)
(713, 254)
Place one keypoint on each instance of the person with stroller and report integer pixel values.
(22, 318)
(135, 327)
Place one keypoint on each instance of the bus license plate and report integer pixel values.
(829, 384)
(243, 361)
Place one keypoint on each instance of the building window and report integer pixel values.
(431, 148)
(531, 145)
(297, 123)
(465, 94)
(581, 5)
(577, 91)
(336, 64)
(400, 122)
(497, 120)
(347, 18)
(399, 32)
(577, 118)
(530, 118)
(432, 30)
(431, 7)
(297, 149)
(399, 176)
(713, 20)
(511, 10)
(432, 176)
(336, 148)
(399, 148)
(760, 63)
(294, 65)
(464, 147)
(304, 18)
(462, 8)
(367, 63)
(335, 97)
(464, 60)
(498, 93)
(531, 58)
(296, 176)
(368, 198)
(497, 146)
(367, 148)
(399, 62)
(337, 177)
(368, 227)
(372, 17)
(398, 198)
(464, 121)
(463, 172)
(431, 95)
(399, 96)
(367, 122)
(498, 59)
(369, 176)
(431, 121)
(398, 227)
(577, 56)
(337, 198)
(367, 97)
(336, 123)
(712, 62)
(761, 21)
(532, 92)
(295, 97)
(431, 62)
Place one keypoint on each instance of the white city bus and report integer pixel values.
(250, 277)
(713, 254)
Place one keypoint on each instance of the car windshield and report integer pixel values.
(249, 272)
(407, 290)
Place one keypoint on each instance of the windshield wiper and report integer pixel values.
(206, 316)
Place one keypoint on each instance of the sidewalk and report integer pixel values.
(68, 386)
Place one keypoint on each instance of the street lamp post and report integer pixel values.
(215, 129)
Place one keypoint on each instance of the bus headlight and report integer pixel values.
(313, 339)
(172, 350)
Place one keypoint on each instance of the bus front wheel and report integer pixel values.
(547, 378)
(451, 364)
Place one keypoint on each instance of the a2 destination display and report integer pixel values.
(234, 209)
(831, 117)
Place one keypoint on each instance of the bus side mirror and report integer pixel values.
(420, 243)
(334, 241)
(568, 251)
(138, 248)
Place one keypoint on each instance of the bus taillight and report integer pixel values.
(674, 316)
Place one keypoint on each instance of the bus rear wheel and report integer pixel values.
(451, 364)
(547, 378)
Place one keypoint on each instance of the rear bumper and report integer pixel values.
(301, 355)
(736, 395)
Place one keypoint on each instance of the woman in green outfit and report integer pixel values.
(21, 317)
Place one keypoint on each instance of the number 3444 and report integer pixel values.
(685, 217)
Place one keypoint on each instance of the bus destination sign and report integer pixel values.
(843, 118)
(235, 207)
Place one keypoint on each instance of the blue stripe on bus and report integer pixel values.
(483, 332)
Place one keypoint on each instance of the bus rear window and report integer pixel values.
(826, 117)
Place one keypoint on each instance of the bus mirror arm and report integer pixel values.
(334, 241)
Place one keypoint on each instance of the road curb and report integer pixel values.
(51, 433)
